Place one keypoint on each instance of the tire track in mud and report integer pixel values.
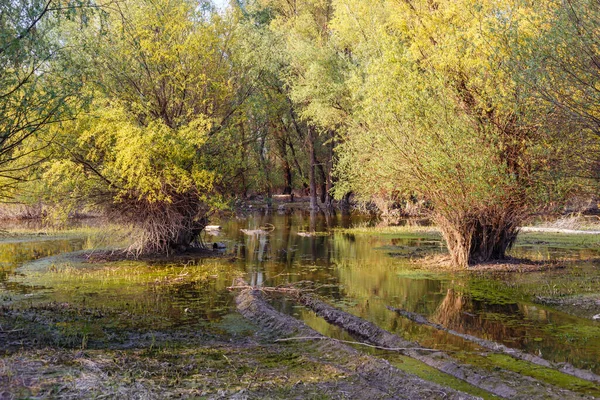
(565, 368)
(375, 377)
(503, 383)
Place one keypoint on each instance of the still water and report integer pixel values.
(359, 273)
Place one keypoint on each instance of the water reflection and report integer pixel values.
(13, 254)
(360, 273)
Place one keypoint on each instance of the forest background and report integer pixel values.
(159, 112)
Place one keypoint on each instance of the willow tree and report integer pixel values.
(36, 90)
(165, 85)
(566, 52)
(561, 66)
(439, 114)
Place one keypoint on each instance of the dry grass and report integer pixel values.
(575, 221)
(217, 370)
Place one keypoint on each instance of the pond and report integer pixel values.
(122, 303)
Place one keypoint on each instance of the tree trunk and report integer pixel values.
(311, 170)
(185, 239)
(287, 172)
(345, 203)
(296, 162)
(474, 239)
(287, 169)
(244, 161)
(266, 169)
(323, 182)
(329, 179)
(313, 229)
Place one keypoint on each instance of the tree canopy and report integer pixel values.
(441, 115)
(487, 111)
(165, 80)
(37, 89)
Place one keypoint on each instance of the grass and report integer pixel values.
(126, 273)
(426, 372)
(558, 240)
(574, 280)
(404, 231)
(548, 375)
(172, 370)
(101, 236)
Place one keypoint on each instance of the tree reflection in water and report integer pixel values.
(357, 273)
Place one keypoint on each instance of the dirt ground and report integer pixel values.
(38, 361)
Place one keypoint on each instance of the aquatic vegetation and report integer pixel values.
(97, 231)
(162, 296)
(491, 361)
(162, 308)
(537, 240)
(416, 231)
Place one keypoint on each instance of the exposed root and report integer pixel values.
(479, 235)
(500, 348)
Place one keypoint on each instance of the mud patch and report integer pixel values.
(504, 383)
(443, 263)
(371, 377)
(584, 306)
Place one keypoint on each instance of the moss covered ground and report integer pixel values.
(71, 328)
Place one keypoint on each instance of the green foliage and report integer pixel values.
(166, 83)
(562, 64)
(440, 115)
(313, 72)
(113, 152)
(36, 88)
(462, 105)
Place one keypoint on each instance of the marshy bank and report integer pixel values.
(148, 329)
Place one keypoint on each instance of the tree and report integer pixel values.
(566, 55)
(36, 90)
(561, 66)
(440, 116)
(166, 84)
(264, 135)
(313, 74)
